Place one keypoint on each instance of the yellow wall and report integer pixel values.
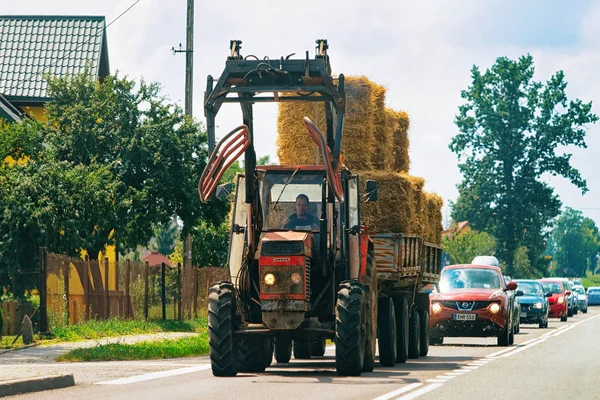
(38, 113)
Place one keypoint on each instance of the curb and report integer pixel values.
(19, 386)
(2, 351)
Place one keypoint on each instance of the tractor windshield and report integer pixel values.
(291, 200)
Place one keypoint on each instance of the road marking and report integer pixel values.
(455, 373)
(398, 392)
(446, 377)
(563, 331)
(435, 381)
(500, 352)
(155, 375)
(419, 392)
(471, 367)
(462, 370)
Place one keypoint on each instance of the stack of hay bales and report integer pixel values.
(374, 146)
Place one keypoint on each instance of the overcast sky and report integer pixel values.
(421, 51)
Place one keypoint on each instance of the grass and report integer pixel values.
(590, 280)
(118, 327)
(6, 342)
(184, 347)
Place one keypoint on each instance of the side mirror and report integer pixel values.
(519, 293)
(511, 285)
(371, 194)
(224, 190)
(548, 294)
(568, 293)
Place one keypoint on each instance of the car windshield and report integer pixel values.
(469, 278)
(579, 290)
(594, 291)
(530, 288)
(552, 287)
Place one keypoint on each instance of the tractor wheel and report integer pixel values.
(283, 350)
(402, 328)
(221, 308)
(317, 348)
(424, 345)
(414, 334)
(301, 350)
(386, 323)
(350, 329)
(254, 353)
(371, 296)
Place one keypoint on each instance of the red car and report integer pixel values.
(558, 301)
(473, 301)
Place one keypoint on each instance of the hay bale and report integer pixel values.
(294, 146)
(434, 211)
(395, 210)
(400, 160)
(384, 129)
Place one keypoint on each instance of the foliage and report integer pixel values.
(510, 130)
(590, 280)
(468, 244)
(210, 245)
(192, 346)
(164, 238)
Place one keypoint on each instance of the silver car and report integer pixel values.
(582, 299)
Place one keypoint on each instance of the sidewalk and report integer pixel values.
(33, 369)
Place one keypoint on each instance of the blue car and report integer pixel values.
(593, 295)
(534, 302)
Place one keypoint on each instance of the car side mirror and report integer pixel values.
(224, 190)
(371, 194)
(511, 285)
(568, 293)
(519, 293)
(548, 294)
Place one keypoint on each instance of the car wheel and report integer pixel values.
(504, 336)
(546, 323)
(511, 337)
(584, 310)
(569, 312)
(565, 318)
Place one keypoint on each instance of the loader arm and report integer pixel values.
(229, 149)
(333, 176)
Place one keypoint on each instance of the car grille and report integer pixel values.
(466, 305)
(525, 307)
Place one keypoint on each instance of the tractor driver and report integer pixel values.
(302, 220)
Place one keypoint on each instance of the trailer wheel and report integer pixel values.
(317, 348)
(424, 348)
(254, 353)
(283, 350)
(301, 350)
(350, 329)
(414, 334)
(371, 295)
(386, 324)
(221, 308)
(402, 328)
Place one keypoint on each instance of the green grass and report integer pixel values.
(6, 342)
(590, 280)
(185, 347)
(118, 327)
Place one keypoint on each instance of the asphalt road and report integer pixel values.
(562, 362)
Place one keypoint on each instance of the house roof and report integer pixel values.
(156, 259)
(33, 46)
(9, 112)
(448, 233)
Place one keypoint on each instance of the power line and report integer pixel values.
(18, 86)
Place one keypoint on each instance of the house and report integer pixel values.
(32, 47)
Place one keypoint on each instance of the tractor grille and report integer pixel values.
(282, 248)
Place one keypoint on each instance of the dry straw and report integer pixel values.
(400, 142)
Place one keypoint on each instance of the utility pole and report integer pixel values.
(189, 97)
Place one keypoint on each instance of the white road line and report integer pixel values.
(520, 349)
(471, 367)
(398, 392)
(455, 373)
(155, 375)
(587, 319)
(499, 352)
(435, 381)
(563, 331)
(527, 342)
(446, 377)
(420, 392)
(462, 370)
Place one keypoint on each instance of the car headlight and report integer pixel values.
(561, 300)
(436, 308)
(269, 279)
(538, 305)
(494, 308)
(296, 278)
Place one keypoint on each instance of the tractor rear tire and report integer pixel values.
(386, 323)
(402, 328)
(254, 353)
(414, 334)
(424, 345)
(301, 350)
(221, 308)
(317, 348)
(350, 329)
(283, 350)
(371, 296)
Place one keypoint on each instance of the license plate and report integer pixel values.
(524, 314)
(465, 317)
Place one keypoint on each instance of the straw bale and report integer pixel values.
(400, 160)
(434, 212)
(384, 130)
(294, 146)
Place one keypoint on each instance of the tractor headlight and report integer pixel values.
(538, 305)
(436, 308)
(561, 300)
(495, 308)
(269, 279)
(296, 278)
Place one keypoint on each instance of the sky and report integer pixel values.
(422, 51)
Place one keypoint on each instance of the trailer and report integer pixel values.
(303, 268)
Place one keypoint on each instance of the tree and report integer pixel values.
(465, 246)
(164, 238)
(510, 128)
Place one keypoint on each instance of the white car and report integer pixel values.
(582, 298)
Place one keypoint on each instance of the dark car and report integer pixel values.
(534, 302)
(473, 301)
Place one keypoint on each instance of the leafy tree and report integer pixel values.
(210, 243)
(164, 238)
(510, 128)
(465, 246)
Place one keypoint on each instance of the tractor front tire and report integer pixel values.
(221, 309)
(350, 329)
